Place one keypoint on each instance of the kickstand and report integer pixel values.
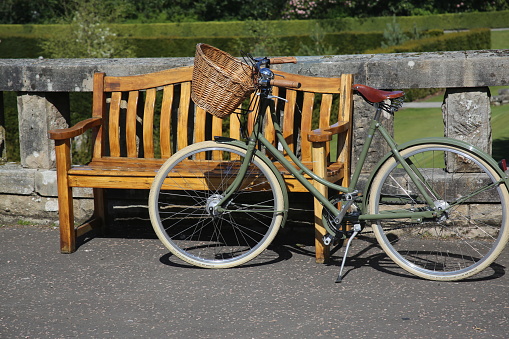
(357, 229)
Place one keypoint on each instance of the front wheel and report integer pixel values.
(189, 187)
(472, 225)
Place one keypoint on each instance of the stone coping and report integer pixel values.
(400, 70)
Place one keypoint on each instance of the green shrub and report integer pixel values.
(342, 43)
(19, 47)
(412, 94)
(472, 40)
(11, 126)
(289, 27)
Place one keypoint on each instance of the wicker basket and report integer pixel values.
(220, 81)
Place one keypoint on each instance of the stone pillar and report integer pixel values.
(467, 116)
(38, 113)
(363, 113)
(3, 136)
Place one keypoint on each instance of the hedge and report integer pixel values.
(284, 27)
(472, 40)
(343, 43)
(31, 31)
(150, 40)
(19, 47)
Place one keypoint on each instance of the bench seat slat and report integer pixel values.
(134, 178)
(134, 167)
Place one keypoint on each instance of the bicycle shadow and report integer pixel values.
(269, 257)
(289, 241)
(383, 263)
(296, 238)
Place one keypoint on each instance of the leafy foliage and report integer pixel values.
(471, 40)
(88, 36)
(393, 35)
(318, 46)
(262, 40)
(53, 11)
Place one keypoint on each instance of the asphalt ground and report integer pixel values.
(127, 285)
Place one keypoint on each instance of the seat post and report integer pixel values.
(378, 108)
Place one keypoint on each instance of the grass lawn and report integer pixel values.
(500, 39)
(415, 123)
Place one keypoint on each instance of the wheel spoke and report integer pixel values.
(188, 221)
(471, 227)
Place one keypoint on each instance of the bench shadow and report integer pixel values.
(296, 238)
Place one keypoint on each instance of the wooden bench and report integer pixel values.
(139, 121)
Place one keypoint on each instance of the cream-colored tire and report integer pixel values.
(190, 184)
(471, 233)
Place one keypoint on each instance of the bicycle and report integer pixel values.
(437, 206)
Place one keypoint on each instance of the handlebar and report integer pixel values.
(283, 60)
(266, 76)
(285, 83)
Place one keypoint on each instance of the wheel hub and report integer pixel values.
(212, 203)
(442, 205)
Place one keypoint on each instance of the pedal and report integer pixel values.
(328, 239)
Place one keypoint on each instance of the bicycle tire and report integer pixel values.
(179, 203)
(471, 234)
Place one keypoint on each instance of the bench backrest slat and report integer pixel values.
(131, 122)
(152, 115)
(114, 124)
(183, 115)
(148, 123)
(165, 123)
(288, 119)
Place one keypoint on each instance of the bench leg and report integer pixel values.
(100, 209)
(322, 252)
(65, 203)
(66, 217)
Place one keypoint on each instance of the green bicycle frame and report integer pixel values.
(299, 171)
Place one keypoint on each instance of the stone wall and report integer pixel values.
(28, 190)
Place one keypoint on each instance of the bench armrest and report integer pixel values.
(74, 131)
(325, 134)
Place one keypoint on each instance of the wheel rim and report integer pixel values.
(466, 238)
(206, 237)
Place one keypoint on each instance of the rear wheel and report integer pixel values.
(191, 184)
(467, 237)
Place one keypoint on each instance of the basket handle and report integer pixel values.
(283, 60)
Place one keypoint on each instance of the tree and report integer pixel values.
(393, 34)
(88, 35)
(51, 11)
(32, 11)
(318, 45)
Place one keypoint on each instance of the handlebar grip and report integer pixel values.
(285, 83)
(283, 60)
